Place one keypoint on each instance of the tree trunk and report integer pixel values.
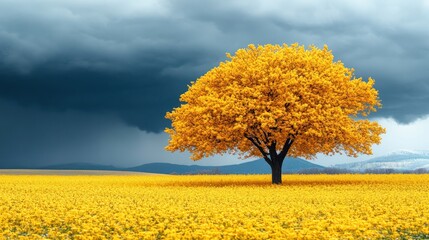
(276, 169)
(271, 155)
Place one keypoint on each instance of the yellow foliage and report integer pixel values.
(214, 207)
(276, 95)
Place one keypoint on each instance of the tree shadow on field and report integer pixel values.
(215, 184)
(286, 183)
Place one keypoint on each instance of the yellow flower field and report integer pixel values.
(214, 207)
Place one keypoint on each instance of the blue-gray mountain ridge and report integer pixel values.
(290, 165)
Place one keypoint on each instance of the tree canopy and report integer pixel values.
(275, 100)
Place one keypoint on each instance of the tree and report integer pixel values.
(275, 101)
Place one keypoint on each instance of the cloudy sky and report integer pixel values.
(90, 81)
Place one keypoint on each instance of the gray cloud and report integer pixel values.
(31, 137)
(131, 60)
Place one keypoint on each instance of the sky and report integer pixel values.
(91, 81)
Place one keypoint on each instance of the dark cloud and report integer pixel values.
(31, 137)
(140, 99)
(77, 70)
(134, 59)
(90, 58)
(404, 108)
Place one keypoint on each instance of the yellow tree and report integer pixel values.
(275, 101)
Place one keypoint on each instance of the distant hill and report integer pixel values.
(399, 161)
(169, 168)
(290, 165)
(81, 166)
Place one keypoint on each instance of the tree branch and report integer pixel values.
(255, 141)
(273, 150)
(267, 137)
(286, 147)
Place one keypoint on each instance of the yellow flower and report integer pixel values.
(214, 207)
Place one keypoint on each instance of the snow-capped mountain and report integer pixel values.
(400, 160)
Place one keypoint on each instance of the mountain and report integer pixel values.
(81, 166)
(290, 165)
(169, 168)
(403, 160)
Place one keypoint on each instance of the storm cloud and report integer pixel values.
(133, 59)
(35, 138)
(129, 61)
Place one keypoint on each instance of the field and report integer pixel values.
(214, 207)
(69, 172)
